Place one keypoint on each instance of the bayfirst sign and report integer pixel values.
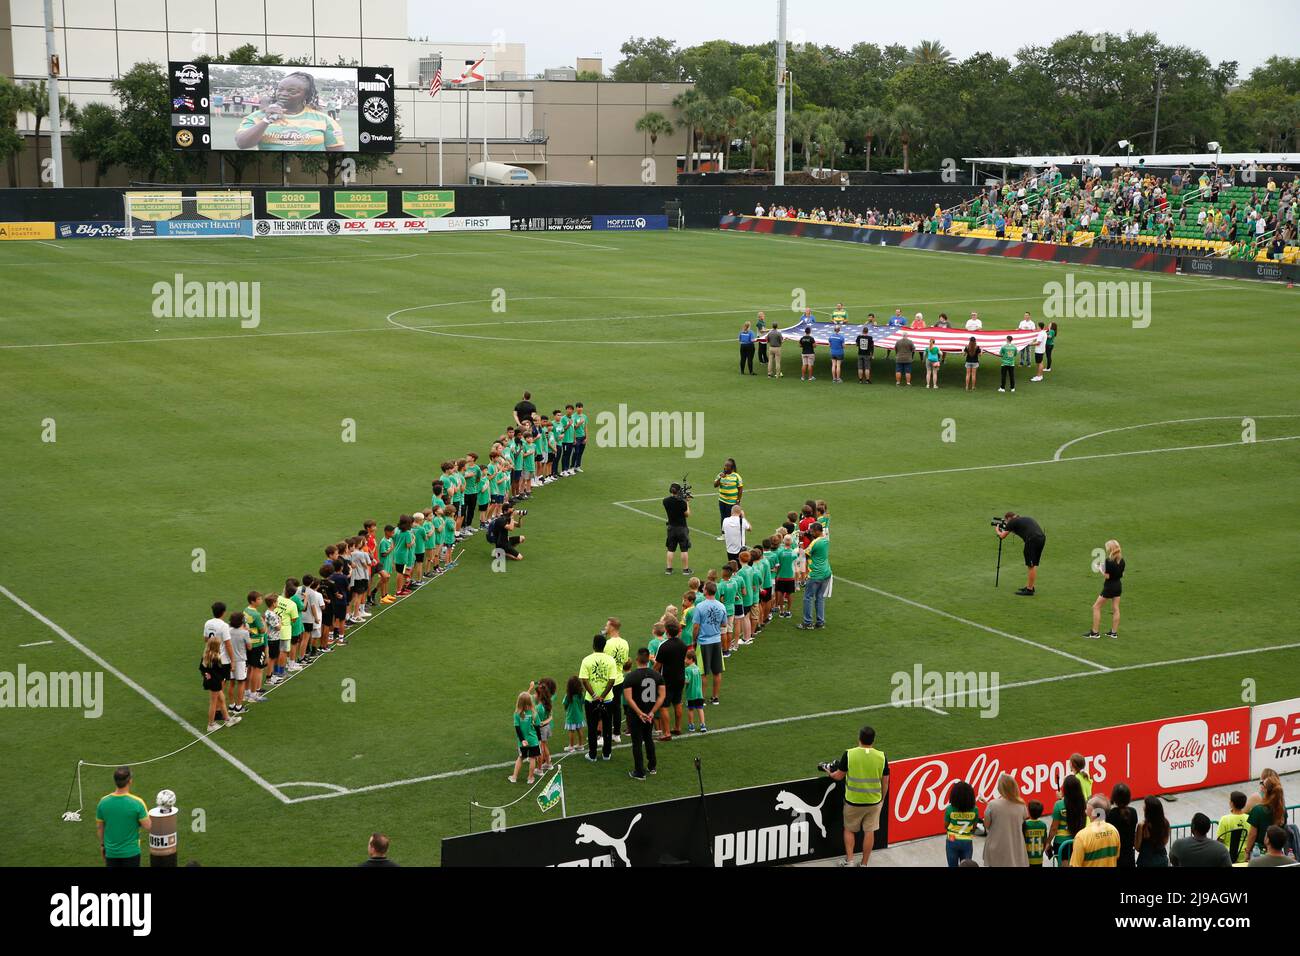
(1275, 737)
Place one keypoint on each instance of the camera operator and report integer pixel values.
(1031, 532)
(499, 532)
(677, 507)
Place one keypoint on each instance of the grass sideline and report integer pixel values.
(177, 434)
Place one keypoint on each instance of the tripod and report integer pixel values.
(998, 573)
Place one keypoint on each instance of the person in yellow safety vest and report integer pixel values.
(865, 773)
(1079, 767)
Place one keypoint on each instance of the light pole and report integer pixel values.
(1155, 126)
(779, 179)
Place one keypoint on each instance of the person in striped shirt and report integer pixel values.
(293, 121)
(1097, 844)
(731, 487)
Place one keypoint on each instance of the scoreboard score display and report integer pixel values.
(303, 109)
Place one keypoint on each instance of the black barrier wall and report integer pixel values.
(701, 205)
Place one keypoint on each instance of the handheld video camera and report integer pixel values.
(683, 490)
(999, 523)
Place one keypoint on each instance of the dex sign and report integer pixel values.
(1275, 737)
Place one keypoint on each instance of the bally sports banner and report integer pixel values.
(1275, 737)
(1156, 756)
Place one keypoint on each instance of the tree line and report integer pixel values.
(889, 107)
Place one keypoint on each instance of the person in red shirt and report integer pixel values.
(376, 575)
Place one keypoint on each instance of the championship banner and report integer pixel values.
(298, 204)
(26, 230)
(361, 204)
(1156, 756)
(428, 203)
(155, 206)
(1275, 737)
(224, 204)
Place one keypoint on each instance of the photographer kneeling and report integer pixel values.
(499, 534)
(1031, 532)
(678, 508)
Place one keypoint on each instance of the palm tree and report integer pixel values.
(906, 123)
(654, 125)
(35, 99)
(870, 122)
(826, 144)
(728, 112)
(931, 53)
(759, 129)
(693, 109)
(800, 128)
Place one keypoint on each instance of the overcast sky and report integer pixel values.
(554, 34)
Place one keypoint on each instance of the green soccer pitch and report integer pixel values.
(177, 434)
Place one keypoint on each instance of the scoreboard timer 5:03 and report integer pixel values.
(191, 106)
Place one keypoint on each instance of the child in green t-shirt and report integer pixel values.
(526, 731)
(1035, 833)
(575, 714)
(694, 693)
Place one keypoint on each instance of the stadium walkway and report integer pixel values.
(1179, 808)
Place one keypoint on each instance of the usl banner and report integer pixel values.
(26, 230)
(773, 824)
(1275, 737)
(1156, 756)
(155, 206)
(428, 203)
(625, 223)
(361, 203)
(297, 204)
(89, 229)
(223, 204)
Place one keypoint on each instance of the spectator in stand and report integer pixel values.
(1152, 837)
(1269, 811)
(1199, 849)
(1097, 844)
(1274, 845)
(1005, 820)
(1125, 821)
(1068, 815)
(1234, 828)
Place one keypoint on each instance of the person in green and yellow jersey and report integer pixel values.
(731, 487)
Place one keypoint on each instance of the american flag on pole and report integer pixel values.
(471, 73)
(435, 87)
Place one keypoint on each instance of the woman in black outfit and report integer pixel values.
(1113, 572)
(1124, 819)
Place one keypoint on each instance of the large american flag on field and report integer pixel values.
(948, 340)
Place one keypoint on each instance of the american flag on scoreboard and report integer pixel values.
(435, 87)
(884, 338)
(183, 102)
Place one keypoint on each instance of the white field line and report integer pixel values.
(163, 708)
(926, 607)
(966, 468)
(1172, 421)
(567, 242)
(36, 644)
(51, 245)
(777, 721)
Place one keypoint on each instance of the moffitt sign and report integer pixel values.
(1156, 756)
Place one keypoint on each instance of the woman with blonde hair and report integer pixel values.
(747, 341)
(1112, 572)
(1005, 820)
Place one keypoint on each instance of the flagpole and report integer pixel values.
(485, 155)
(564, 812)
(440, 122)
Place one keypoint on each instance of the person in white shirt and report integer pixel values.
(973, 324)
(1026, 325)
(217, 627)
(733, 532)
(1040, 351)
(759, 210)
